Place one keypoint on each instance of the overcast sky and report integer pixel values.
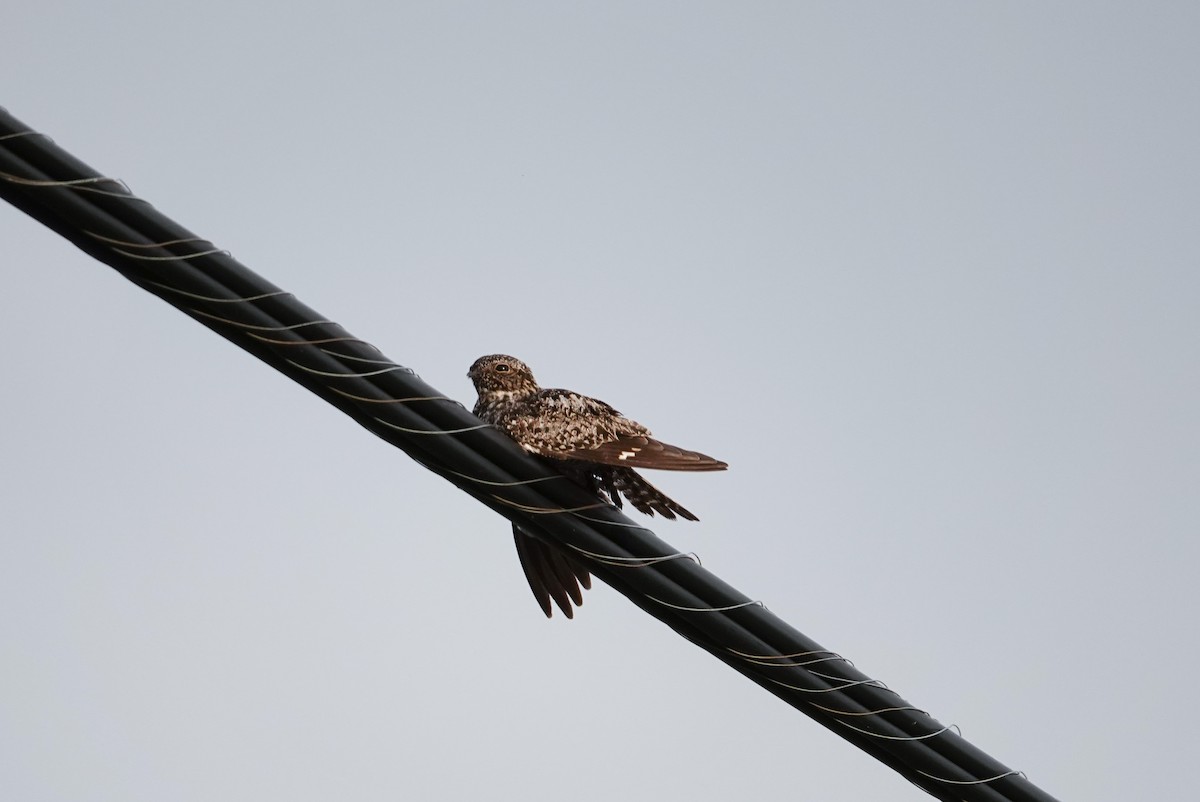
(924, 274)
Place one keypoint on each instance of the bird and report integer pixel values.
(591, 443)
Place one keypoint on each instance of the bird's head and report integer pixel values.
(500, 375)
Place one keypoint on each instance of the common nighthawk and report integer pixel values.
(590, 442)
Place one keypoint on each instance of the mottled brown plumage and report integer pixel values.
(593, 444)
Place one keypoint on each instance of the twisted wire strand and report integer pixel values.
(896, 737)
(534, 509)
(981, 781)
(617, 561)
(857, 683)
(723, 609)
(766, 658)
(875, 712)
(294, 343)
(250, 328)
(356, 358)
(163, 244)
(365, 400)
(443, 432)
(802, 664)
(172, 257)
(602, 522)
(214, 299)
(79, 184)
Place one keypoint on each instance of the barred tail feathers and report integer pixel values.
(645, 497)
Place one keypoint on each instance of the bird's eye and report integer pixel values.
(502, 368)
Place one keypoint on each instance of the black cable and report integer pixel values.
(103, 218)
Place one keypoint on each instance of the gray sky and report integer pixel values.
(925, 275)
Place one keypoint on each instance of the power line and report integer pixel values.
(103, 218)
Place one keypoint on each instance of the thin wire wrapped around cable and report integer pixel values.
(104, 219)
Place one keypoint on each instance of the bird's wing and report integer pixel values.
(639, 451)
(559, 421)
(551, 574)
(566, 425)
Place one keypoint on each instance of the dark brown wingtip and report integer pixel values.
(645, 452)
(532, 568)
(551, 574)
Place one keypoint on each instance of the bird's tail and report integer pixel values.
(644, 497)
(612, 482)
